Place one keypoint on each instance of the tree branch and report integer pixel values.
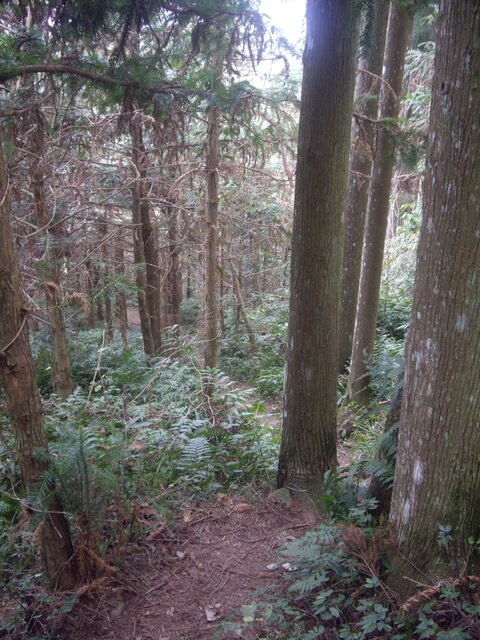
(66, 69)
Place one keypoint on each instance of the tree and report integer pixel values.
(308, 446)
(399, 28)
(367, 90)
(435, 505)
(62, 375)
(17, 375)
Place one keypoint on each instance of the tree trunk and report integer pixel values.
(367, 91)
(90, 317)
(138, 243)
(150, 252)
(211, 275)
(174, 273)
(241, 305)
(109, 326)
(308, 446)
(437, 481)
(62, 374)
(399, 28)
(121, 300)
(23, 402)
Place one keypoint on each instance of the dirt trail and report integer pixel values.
(201, 567)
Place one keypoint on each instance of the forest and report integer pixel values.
(239, 320)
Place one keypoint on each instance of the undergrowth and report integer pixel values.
(136, 439)
(334, 588)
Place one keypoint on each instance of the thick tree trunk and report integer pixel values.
(62, 374)
(367, 92)
(308, 446)
(23, 402)
(399, 28)
(211, 271)
(437, 481)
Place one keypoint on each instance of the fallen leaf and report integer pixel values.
(137, 445)
(242, 507)
(187, 516)
(157, 533)
(212, 612)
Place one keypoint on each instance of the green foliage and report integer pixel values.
(263, 368)
(136, 434)
(334, 589)
(387, 366)
(190, 309)
(398, 274)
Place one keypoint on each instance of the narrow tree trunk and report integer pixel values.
(110, 330)
(90, 317)
(211, 276)
(241, 305)
(221, 291)
(308, 446)
(399, 28)
(138, 243)
(174, 273)
(150, 252)
(62, 374)
(121, 300)
(367, 91)
(437, 481)
(23, 401)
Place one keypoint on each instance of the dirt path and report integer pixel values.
(196, 571)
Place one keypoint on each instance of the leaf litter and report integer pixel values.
(192, 573)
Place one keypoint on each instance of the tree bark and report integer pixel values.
(308, 446)
(174, 272)
(400, 24)
(121, 300)
(150, 252)
(367, 91)
(62, 374)
(106, 269)
(241, 305)
(138, 243)
(437, 479)
(23, 402)
(211, 271)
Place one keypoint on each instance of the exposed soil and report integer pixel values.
(193, 572)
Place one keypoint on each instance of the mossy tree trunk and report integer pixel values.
(400, 24)
(308, 446)
(437, 481)
(17, 375)
(367, 94)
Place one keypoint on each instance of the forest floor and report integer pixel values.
(192, 572)
(189, 574)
